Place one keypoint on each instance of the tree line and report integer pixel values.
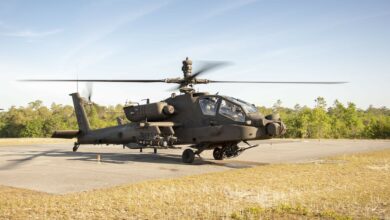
(37, 120)
(336, 121)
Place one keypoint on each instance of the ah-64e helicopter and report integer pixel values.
(202, 120)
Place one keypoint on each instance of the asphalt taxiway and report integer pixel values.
(54, 168)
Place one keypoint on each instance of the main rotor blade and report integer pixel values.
(96, 80)
(213, 65)
(276, 82)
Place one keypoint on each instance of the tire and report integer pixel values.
(188, 156)
(217, 153)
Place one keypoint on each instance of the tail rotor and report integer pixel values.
(88, 92)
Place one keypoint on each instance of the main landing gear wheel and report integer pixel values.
(188, 156)
(218, 153)
(76, 147)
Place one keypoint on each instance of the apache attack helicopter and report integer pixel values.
(202, 120)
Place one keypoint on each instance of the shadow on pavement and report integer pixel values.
(117, 158)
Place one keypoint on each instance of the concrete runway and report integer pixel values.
(54, 168)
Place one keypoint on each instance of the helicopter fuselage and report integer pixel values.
(202, 120)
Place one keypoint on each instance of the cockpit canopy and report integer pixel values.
(226, 106)
(248, 108)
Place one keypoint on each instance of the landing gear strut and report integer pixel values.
(76, 147)
(198, 152)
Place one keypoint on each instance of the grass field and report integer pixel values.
(344, 187)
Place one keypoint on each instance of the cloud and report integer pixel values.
(351, 20)
(226, 8)
(89, 59)
(32, 34)
(11, 31)
(77, 54)
(4, 25)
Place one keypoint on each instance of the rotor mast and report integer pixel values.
(187, 67)
(186, 85)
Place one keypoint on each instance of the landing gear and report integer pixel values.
(76, 147)
(155, 150)
(218, 153)
(198, 152)
(188, 156)
(230, 150)
(227, 150)
(140, 150)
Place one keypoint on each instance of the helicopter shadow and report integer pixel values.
(126, 158)
(105, 158)
(25, 158)
(119, 158)
(160, 158)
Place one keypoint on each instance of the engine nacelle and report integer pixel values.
(151, 112)
(275, 128)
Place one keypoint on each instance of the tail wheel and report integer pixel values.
(188, 156)
(218, 153)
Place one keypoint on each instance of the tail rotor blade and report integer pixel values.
(88, 92)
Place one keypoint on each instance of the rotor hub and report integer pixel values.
(187, 67)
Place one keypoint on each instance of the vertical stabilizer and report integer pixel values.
(81, 116)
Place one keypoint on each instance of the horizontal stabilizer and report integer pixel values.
(69, 134)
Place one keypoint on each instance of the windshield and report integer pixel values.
(248, 108)
(208, 105)
(232, 111)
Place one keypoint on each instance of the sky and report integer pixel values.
(274, 40)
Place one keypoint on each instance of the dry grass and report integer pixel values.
(32, 141)
(356, 186)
